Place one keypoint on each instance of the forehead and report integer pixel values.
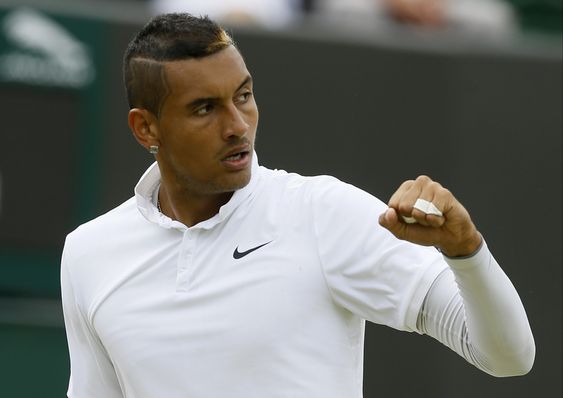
(213, 76)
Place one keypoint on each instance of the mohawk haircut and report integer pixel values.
(166, 37)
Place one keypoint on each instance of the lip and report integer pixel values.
(237, 164)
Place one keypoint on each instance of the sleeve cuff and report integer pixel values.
(467, 256)
(480, 256)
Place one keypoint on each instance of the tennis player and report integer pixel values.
(222, 278)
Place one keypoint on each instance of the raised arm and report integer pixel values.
(473, 307)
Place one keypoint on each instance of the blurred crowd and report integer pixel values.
(489, 16)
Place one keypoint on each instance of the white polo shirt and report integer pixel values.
(266, 299)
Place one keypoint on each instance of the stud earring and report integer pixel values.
(153, 149)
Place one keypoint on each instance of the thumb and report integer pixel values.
(411, 232)
(390, 220)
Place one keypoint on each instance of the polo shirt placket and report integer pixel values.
(185, 260)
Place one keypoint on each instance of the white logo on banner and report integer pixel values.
(47, 54)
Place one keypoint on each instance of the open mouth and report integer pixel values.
(237, 160)
(236, 156)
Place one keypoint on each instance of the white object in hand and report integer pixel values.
(425, 207)
(409, 220)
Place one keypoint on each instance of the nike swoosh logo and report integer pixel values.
(237, 254)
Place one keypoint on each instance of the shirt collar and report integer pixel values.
(147, 188)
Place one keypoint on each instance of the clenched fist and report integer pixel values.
(421, 211)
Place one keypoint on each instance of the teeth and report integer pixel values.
(234, 157)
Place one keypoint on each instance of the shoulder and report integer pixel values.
(294, 182)
(90, 235)
(320, 193)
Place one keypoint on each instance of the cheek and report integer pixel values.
(252, 114)
(185, 134)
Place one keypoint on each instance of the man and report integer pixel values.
(221, 278)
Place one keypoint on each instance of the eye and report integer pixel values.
(244, 97)
(204, 110)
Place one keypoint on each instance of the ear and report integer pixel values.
(143, 125)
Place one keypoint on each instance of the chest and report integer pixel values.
(223, 295)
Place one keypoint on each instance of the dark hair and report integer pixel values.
(167, 37)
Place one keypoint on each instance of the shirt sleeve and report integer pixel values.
(367, 270)
(91, 372)
(474, 309)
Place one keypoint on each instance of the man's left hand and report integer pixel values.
(452, 232)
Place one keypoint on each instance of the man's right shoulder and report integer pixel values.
(106, 226)
(95, 252)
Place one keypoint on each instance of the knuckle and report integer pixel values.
(436, 186)
(423, 178)
(407, 184)
(445, 192)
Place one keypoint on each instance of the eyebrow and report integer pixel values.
(206, 100)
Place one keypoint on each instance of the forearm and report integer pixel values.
(475, 310)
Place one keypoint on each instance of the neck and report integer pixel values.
(189, 208)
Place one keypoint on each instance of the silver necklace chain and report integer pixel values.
(158, 205)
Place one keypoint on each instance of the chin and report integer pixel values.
(231, 183)
(240, 182)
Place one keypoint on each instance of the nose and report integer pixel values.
(235, 124)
